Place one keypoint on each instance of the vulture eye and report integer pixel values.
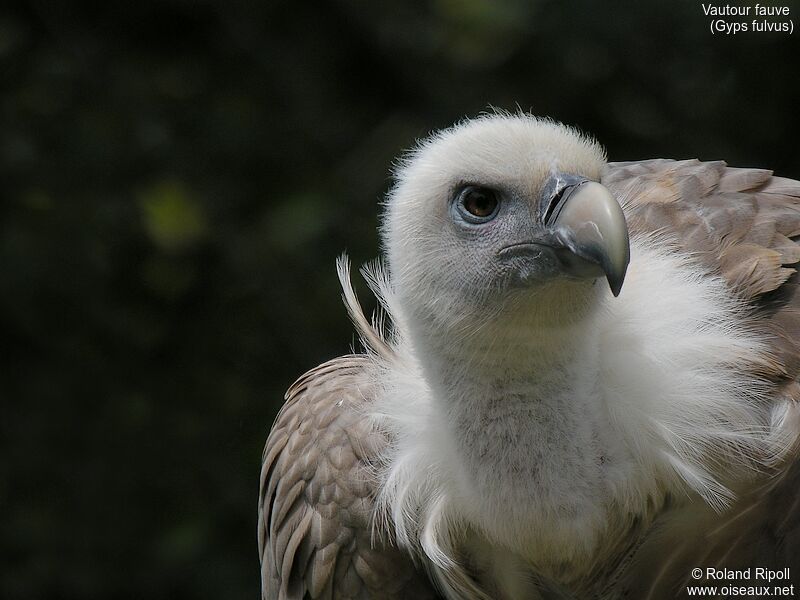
(477, 204)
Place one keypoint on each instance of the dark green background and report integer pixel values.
(177, 179)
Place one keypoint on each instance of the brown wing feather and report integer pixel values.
(740, 223)
(316, 496)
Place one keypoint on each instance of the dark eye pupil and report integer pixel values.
(479, 202)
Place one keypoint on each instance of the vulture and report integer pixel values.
(581, 382)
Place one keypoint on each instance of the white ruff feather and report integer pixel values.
(664, 372)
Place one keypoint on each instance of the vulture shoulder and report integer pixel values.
(317, 492)
(742, 225)
(739, 222)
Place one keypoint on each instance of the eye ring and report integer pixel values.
(477, 204)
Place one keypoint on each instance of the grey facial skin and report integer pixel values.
(576, 229)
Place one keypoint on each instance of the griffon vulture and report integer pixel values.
(586, 386)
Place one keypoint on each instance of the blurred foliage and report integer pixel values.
(178, 178)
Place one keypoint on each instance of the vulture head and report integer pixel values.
(501, 212)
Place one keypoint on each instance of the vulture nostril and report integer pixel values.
(554, 203)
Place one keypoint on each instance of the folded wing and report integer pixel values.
(316, 496)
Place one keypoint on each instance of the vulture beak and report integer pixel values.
(588, 228)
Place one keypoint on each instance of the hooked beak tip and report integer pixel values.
(593, 226)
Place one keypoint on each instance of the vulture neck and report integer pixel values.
(525, 422)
